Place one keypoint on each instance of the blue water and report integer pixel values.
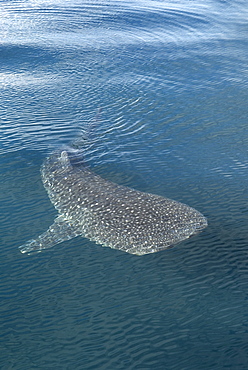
(171, 80)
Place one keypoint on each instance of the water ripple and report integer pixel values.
(99, 24)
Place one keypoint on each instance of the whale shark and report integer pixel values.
(109, 214)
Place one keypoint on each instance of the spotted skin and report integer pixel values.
(109, 214)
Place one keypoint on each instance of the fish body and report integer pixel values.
(110, 214)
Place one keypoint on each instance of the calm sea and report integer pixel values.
(171, 79)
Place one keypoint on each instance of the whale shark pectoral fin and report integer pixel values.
(60, 231)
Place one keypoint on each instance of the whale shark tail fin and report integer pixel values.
(88, 132)
(85, 142)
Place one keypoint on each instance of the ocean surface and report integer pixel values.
(171, 81)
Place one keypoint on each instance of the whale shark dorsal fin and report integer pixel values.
(64, 159)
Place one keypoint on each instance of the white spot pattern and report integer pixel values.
(110, 214)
